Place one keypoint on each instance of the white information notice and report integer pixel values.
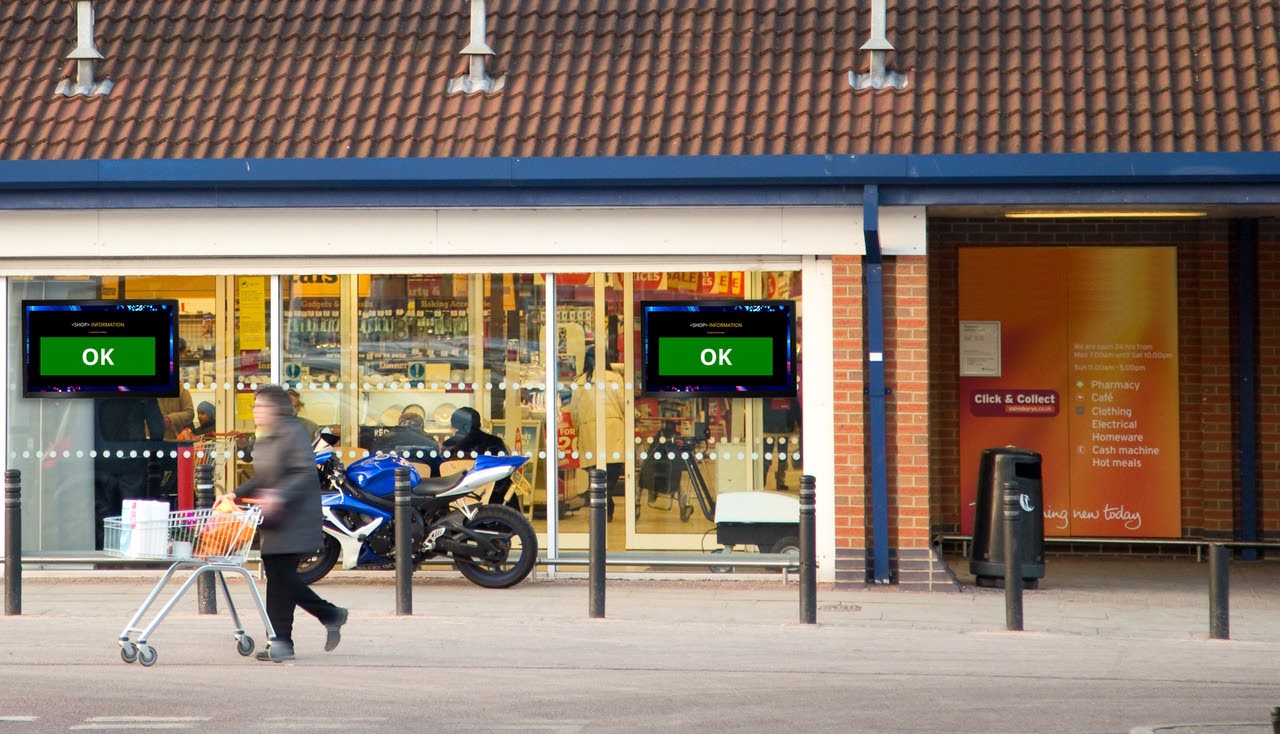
(979, 348)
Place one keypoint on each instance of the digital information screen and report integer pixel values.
(99, 348)
(719, 348)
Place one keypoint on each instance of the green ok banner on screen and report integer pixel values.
(116, 356)
(715, 356)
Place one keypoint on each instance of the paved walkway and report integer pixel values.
(1125, 600)
(1121, 598)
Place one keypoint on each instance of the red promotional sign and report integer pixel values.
(568, 441)
(1029, 403)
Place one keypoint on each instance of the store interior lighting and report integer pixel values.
(1102, 214)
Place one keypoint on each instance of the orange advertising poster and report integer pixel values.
(1072, 353)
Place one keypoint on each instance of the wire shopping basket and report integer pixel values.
(220, 534)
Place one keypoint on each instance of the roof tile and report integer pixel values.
(368, 78)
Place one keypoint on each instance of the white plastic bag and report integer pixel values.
(144, 528)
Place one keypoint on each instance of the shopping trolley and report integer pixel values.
(216, 449)
(213, 541)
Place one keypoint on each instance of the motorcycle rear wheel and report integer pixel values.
(316, 566)
(520, 538)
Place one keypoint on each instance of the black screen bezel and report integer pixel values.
(777, 385)
(34, 386)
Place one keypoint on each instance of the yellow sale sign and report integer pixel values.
(1073, 353)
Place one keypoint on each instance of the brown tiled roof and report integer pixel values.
(368, 78)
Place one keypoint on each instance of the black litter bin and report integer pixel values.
(986, 562)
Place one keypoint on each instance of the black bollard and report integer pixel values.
(1275, 720)
(404, 543)
(598, 544)
(1219, 592)
(808, 550)
(1012, 569)
(12, 542)
(206, 594)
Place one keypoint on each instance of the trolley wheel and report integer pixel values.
(686, 512)
(128, 652)
(146, 655)
(244, 645)
(789, 545)
(720, 569)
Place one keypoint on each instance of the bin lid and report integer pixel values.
(1012, 451)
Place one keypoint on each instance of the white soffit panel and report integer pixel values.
(903, 230)
(258, 232)
(610, 231)
(49, 234)
(838, 230)
(673, 231)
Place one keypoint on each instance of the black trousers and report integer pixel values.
(285, 591)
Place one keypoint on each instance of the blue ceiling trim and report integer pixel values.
(803, 170)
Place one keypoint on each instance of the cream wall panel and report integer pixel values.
(902, 229)
(638, 231)
(54, 234)
(456, 233)
(257, 232)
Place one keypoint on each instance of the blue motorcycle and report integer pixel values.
(492, 545)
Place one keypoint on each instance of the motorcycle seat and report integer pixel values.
(433, 486)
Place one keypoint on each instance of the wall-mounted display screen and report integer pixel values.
(96, 349)
(719, 348)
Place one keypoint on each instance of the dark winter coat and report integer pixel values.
(285, 478)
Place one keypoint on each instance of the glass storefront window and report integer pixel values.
(398, 362)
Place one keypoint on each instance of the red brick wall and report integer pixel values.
(1206, 339)
(1269, 379)
(906, 307)
(852, 491)
(907, 374)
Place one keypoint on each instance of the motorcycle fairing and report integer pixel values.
(350, 541)
(376, 474)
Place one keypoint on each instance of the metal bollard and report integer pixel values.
(808, 550)
(1219, 592)
(1012, 569)
(598, 544)
(12, 542)
(404, 543)
(206, 594)
(1275, 720)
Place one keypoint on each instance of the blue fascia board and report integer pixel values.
(1095, 168)
(661, 171)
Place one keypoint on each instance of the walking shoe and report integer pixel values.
(276, 652)
(335, 630)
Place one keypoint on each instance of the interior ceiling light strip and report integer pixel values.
(1103, 214)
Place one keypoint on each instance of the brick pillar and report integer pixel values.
(919, 566)
(851, 499)
(1269, 379)
(913, 562)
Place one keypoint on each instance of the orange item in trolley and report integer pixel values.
(225, 531)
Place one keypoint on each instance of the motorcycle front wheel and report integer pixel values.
(314, 567)
(516, 537)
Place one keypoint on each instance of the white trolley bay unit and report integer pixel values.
(213, 541)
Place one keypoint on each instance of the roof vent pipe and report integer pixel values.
(86, 57)
(878, 45)
(478, 80)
